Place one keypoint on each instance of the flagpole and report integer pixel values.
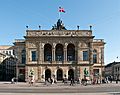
(59, 15)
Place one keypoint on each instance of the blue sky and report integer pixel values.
(103, 15)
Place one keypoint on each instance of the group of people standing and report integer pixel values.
(73, 81)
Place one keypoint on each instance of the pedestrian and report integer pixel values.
(117, 81)
(51, 81)
(110, 80)
(78, 81)
(12, 81)
(71, 81)
(31, 81)
(46, 81)
(106, 79)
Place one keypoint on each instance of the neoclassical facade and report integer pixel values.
(61, 53)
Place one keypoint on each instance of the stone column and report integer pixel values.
(39, 59)
(78, 53)
(90, 53)
(90, 60)
(27, 61)
(39, 73)
(42, 52)
(102, 55)
(65, 53)
(102, 61)
(39, 53)
(53, 52)
(26, 74)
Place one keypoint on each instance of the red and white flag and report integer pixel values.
(61, 9)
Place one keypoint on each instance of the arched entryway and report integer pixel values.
(59, 74)
(47, 74)
(70, 74)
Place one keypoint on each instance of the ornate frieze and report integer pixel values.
(66, 33)
(31, 45)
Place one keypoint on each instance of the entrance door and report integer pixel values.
(70, 74)
(59, 74)
(47, 74)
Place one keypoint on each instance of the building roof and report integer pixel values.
(6, 47)
(111, 64)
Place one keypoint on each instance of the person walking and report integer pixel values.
(71, 81)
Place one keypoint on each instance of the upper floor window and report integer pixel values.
(85, 55)
(23, 56)
(94, 56)
(70, 52)
(59, 52)
(47, 52)
(33, 55)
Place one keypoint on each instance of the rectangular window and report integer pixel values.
(85, 55)
(33, 55)
(94, 58)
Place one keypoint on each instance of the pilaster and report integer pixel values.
(53, 52)
(65, 52)
(42, 52)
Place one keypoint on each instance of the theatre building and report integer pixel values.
(60, 53)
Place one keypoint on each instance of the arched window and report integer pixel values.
(47, 52)
(94, 56)
(70, 52)
(59, 52)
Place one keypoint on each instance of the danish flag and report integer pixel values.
(61, 9)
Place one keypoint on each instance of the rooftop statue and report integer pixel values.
(58, 26)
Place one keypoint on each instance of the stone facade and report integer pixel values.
(61, 53)
(112, 70)
(116, 70)
(7, 67)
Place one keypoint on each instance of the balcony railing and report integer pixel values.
(19, 40)
(98, 40)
